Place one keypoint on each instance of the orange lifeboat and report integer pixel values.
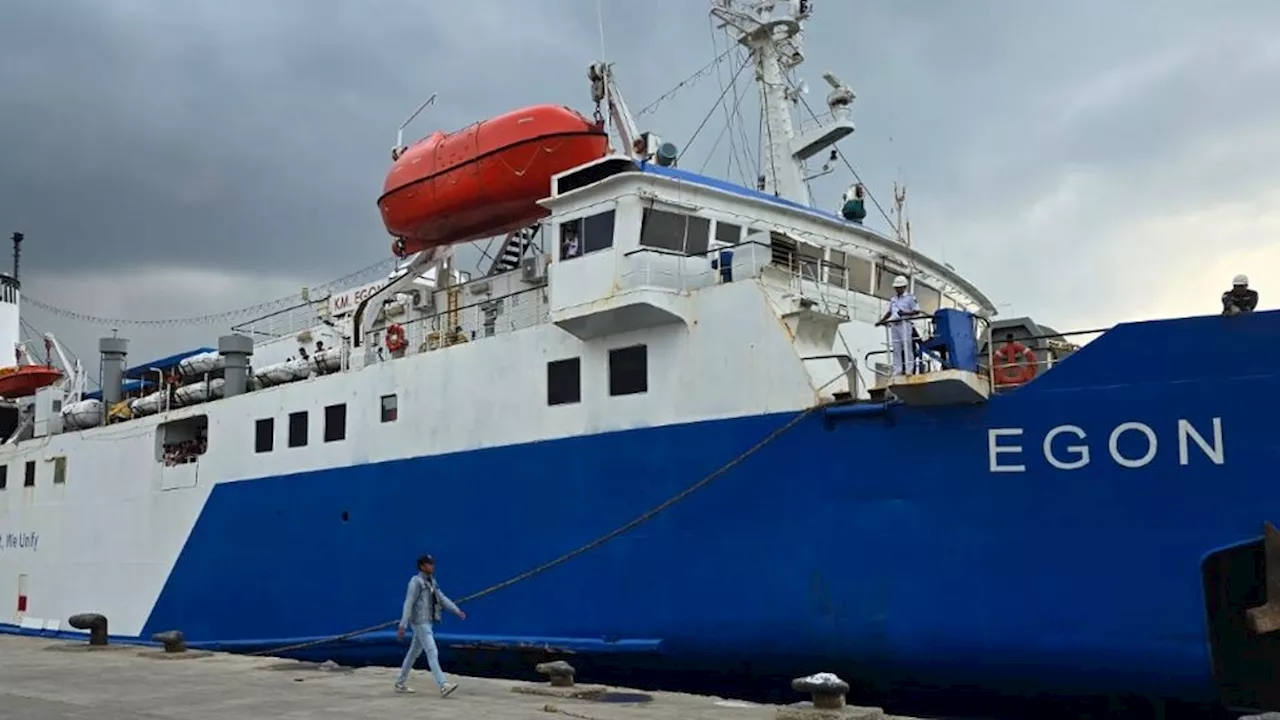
(24, 380)
(486, 179)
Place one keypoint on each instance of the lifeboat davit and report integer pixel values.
(21, 381)
(484, 180)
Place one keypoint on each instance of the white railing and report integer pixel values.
(463, 324)
(674, 271)
(282, 323)
(1007, 361)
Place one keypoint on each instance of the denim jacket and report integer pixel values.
(423, 601)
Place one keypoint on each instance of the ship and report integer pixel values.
(663, 430)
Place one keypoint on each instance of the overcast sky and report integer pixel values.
(1084, 162)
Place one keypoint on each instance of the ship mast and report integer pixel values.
(773, 32)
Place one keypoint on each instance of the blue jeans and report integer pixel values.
(423, 639)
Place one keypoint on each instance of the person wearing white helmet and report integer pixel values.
(902, 308)
(1239, 299)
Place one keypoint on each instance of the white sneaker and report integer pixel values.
(447, 688)
(404, 689)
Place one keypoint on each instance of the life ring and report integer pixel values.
(395, 338)
(1016, 364)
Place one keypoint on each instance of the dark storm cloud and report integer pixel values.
(250, 139)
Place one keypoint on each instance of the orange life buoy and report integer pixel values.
(1016, 364)
(395, 338)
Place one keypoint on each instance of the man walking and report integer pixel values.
(422, 605)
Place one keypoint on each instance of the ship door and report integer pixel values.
(1245, 662)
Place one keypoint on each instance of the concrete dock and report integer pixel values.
(44, 679)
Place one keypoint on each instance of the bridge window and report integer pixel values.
(564, 381)
(629, 370)
(298, 429)
(183, 441)
(860, 271)
(60, 470)
(810, 258)
(389, 408)
(29, 479)
(928, 298)
(728, 233)
(335, 422)
(686, 234)
(884, 281)
(264, 435)
(836, 274)
(585, 235)
(4, 476)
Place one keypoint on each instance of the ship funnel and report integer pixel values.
(235, 350)
(113, 351)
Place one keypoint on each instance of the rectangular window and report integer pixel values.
(629, 370)
(335, 423)
(884, 281)
(60, 470)
(564, 381)
(808, 261)
(264, 435)
(585, 235)
(728, 233)
(859, 271)
(835, 269)
(4, 476)
(298, 429)
(29, 480)
(389, 411)
(179, 442)
(928, 298)
(686, 234)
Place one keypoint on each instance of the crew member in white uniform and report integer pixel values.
(902, 308)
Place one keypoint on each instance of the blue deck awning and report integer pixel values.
(138, 372)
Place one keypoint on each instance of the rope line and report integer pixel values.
(719, 101)
(681, 85)
(640, 520)
(379, 268)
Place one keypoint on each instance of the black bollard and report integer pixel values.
(95, 623)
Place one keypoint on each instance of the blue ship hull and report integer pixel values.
(875, 543)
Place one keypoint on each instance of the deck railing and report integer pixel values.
(458, 323)
(1004, 370)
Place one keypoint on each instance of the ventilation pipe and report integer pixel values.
(235, 350)
(113, 351)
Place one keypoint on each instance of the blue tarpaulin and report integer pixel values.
(168, 363)
(128, 387)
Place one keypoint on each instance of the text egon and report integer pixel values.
(1004, 451)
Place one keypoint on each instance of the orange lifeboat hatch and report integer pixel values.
(486, 179)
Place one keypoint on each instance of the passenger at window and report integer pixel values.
(1239, 299)
(570, 246)
(902, 309)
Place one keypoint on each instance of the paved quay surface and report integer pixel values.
(43, 679)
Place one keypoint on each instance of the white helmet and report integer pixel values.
(900, 281)
(1240, 281)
